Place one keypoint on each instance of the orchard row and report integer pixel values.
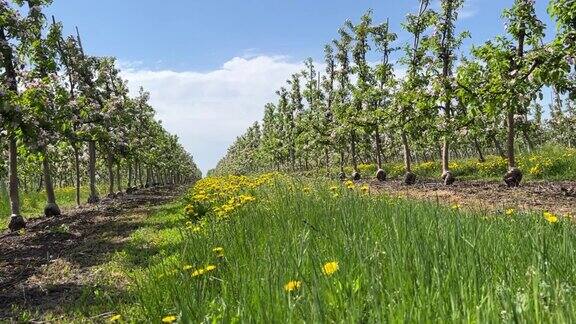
(422, 99)
(67, 114)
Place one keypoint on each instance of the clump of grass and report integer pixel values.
(388, 260)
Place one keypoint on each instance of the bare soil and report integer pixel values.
(557, 197)
(52, 262)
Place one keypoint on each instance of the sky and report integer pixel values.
(211, 65)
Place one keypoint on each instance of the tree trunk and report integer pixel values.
(510, 154)
(148, 177)
(119, 175)
(40, 183)
(130, 175)
(378, 147)
(110, 161)
(409, 177)
(92, 172)
(51, 208)
(407, 157)
(16, 220)
(50, 196)
(479, 151)
(445, 155)
(353, 150)
(140, 178)
(77, 170)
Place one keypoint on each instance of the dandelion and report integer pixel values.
(330, 268)
(292, 285)
(334, 188)
(198, 272)
(169, 319)
(246, 198)
(187, 267)
(115, 318)
(202, 271)
(551, 218)
(365, 188)
(349, 184)
(510, 211)
(219, 251)
(456, 206)
(306, 190)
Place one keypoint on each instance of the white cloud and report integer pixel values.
(207, 110)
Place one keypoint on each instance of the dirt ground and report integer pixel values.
(556, 197)
(52, 262)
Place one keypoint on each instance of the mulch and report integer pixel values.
(536, 196)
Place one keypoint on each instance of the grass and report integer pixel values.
(398, 261)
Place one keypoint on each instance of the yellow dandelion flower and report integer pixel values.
(292, 285)
(510, 211)
(115, 318)
(219, 251)
(169, 319)
(365, 188)
(187, 267)
(334, 188)
(349, 184)
(210, 268)
(456, 206)
(551, 218)
(306, 190)
(330, 268)
(198, 272)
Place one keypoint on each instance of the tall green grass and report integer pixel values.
(399, 261)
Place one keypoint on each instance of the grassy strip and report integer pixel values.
(397, 261)
(33, 202)
(548, 163)
(107, 291)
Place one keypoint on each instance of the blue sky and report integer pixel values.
(212, 65)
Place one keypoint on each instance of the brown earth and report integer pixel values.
(52, 262)
(556, 197)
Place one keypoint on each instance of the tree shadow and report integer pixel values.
(85, 239)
